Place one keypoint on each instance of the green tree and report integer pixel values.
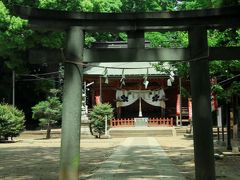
(220, 3)
(13, 44)
(13, 38)
(48, 112)
(148, 5)
(97, 118)
(216, 38)
(11, 121)
(16, 38)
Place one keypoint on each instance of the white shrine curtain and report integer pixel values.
(126, 98)
(154, 98)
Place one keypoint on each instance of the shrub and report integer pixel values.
(11, 121)
(97, 118)
(48, 113)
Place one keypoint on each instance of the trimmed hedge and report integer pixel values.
(97, 118)
(11, 121)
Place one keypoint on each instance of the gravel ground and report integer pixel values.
(180, 150)
(33, 157)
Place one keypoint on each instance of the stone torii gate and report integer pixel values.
(197, 53)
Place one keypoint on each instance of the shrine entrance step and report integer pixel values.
(141, 122)
(142, 132)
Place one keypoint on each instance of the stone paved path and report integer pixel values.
(138, 158)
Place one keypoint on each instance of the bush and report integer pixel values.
(48, 113)
(11, 121)
(97, 118)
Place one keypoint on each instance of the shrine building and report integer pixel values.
(136, 90)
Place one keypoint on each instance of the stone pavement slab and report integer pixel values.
(138, 158)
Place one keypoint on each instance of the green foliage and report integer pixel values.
(228, 93)
(235, 88)
(189, 5)
(87, 6)
(185, 92)
(148, 5)
(182, 70)
(220, 3)
(89, 39)
(13, 30)
(228, 37)
(216, 38)
(219, 91)
(167, 40)
(43, 87)
(97, 118)
(16, 38)
(217, 68)
(49, 4)
(48, 112)
(11, 121)
(157, 39)
(54, 40)
(202, 4)
(107, 5)
(82, 5)
(4, 16)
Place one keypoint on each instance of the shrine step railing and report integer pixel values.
(122, 122)
(151, 122)
(160, 122)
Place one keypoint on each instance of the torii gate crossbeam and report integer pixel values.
(135, 24)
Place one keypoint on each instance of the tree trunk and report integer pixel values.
(48, 136)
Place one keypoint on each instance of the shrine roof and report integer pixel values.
(116, 69)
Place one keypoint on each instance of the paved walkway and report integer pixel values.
(138, 158)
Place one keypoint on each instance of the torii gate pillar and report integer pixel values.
(202, 118)
(72, 100)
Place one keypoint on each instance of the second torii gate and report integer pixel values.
(135, 24)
